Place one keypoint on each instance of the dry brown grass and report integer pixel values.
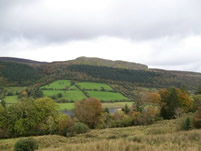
(161, 136)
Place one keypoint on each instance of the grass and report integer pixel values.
(106, 96)
(116, 104)
(93, 85)
(70, 106)
(161, 136)
(68, 95)
(15, 89)
(66, 106)
(11, 99)
(58, 84)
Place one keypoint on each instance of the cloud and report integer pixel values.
(159, 33)
(62, 20)
(166, 53)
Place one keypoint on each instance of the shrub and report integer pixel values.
(77, 128)
(197, 119)
(65, 124)
(187, 124)
(26, 145)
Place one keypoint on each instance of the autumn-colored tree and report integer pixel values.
(88, 111)
(197, 102)
(155, 97)
(172, 99)
(64, 124)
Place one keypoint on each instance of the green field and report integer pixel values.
(70, 106)
(68, 95)
(11, 99)
(106, 96)
(15, 89)
(66, 106)
(92, 86)
(59, 84)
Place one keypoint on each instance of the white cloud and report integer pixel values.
(159, 33)
(166, 53)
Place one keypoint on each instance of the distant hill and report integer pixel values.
(19, 60)
(109, 63)
(95, 69)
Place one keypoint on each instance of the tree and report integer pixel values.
(88, 111)
(197, 102)
(126, 109)
(171, 100)
(30, 117)
(198, 91)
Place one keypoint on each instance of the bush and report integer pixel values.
(77, 128)
(187, 124)
(65, 124)
(197, 119)
(26, 145)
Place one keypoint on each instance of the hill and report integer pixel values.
(23, 61)
(128, 75)
(109, 63)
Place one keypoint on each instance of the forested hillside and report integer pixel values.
(18, 74)
(98, 70)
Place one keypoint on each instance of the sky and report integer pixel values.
(159, 33)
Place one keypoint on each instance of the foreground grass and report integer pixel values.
(161, 136)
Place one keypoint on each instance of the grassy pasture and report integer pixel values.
(66, 106)
(93, 85)
(58, 84)
(161, 136)
(68, 95)
(11, 99)
(70, 106)
(15, 89)
(105, 96)
(116, 104)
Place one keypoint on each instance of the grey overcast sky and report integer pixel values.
(160, 33)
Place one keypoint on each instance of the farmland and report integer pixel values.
(91, 86)
(59, 84)
(71, 91)
(105, 96)
(11, 99)
(68, 95)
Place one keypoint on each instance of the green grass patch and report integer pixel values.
(106, 96)
(66, 106)
(93, 85)
(11, 99)
(15, 89)
(67, 95)
(58, 84)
